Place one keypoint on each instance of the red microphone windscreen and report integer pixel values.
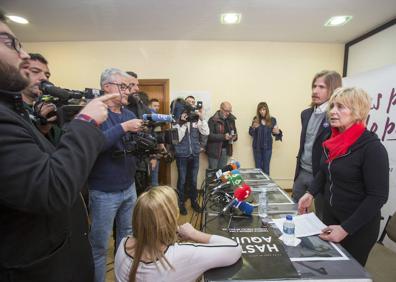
(242, 193)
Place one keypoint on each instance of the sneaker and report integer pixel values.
(183, 210)
(195, 206)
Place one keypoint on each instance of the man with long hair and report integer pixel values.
(315, 129)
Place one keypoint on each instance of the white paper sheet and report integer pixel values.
(306, 224)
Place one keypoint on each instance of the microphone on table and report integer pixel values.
(240, 194)
(231, 166)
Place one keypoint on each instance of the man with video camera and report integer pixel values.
(43, 220)
(190, 125)
(41, 113)
(112, 191)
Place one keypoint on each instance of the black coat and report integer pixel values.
(216, 136)
(43, 220)
(323, 133)
(355, 185)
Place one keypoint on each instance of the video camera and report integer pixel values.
(143, 144)
(180, 106)
(66, 101)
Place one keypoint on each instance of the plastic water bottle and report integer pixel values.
(288, 231)
(262, 207)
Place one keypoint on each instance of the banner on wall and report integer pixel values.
(380, 84)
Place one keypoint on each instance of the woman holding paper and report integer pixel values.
(354, 176)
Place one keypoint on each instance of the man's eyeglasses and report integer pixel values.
(10, 41)
(123, 86)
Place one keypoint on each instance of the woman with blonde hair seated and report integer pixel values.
(153, 254)
(354, 176)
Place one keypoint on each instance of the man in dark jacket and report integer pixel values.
(43, 220)
(222, 135)
(315, 130)
(40, 113)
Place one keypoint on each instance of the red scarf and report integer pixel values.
(339, 142)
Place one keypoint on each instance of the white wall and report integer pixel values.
(374, 52)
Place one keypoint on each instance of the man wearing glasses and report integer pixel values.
(43, 224)
(222, 135)
(112, 190)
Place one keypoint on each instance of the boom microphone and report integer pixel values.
(157, 118)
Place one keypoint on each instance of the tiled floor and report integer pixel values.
(110, 255)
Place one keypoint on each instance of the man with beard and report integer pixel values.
(315, 129)
(40, 113)
(112, 191)
(43, 220)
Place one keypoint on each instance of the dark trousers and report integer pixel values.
(184, 164)
(362, 241)
(262, 158)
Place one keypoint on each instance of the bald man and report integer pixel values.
(222, 135)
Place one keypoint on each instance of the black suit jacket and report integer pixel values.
(43, 221)
(323, 133)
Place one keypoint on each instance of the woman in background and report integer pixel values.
(353, 175)
(262, 129)
(153, 254)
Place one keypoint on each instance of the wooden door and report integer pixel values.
(159, 89)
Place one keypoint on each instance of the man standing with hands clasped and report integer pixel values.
(222, 135)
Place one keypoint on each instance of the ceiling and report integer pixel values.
(262, 20)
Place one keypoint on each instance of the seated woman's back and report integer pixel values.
(158, 256)
(189, 260)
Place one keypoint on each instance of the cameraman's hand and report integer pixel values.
(183, 117)
(45, 109)
(227, 136)
(97, 109)
(132, 125)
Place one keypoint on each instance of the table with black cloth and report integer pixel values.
(265, 257)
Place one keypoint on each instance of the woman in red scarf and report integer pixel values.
(354, 176)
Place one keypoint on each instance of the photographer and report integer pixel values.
(42, 217)
(112, 192)
(190, 126)
(38, 71)
(222, 135)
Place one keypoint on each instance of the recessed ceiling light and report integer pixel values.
(18, 19)
(338, 20)
(230, 18)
